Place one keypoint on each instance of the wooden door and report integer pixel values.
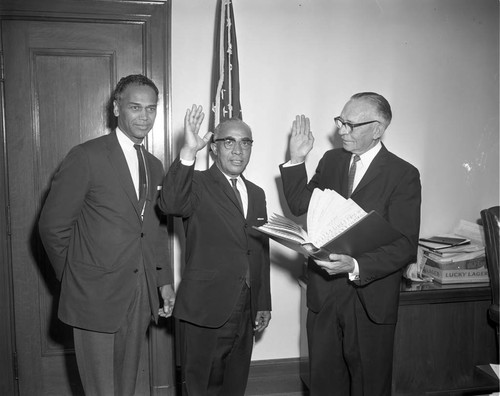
(59, 71)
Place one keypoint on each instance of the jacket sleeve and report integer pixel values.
(179, 195)
(63, 207)
(296, 189)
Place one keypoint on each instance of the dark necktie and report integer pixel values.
(238, 197)
(352, 173)
(143, 179)
(237, 193)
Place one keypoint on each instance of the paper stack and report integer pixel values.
(455, 258)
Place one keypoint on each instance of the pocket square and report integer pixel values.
(260, 218)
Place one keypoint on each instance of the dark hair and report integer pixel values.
(137, 79)
(382, 105)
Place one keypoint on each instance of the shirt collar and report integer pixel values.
(124, 140)
(238, 178)
(367, 157)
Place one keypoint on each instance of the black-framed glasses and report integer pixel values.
(339, 122)
(230, 142)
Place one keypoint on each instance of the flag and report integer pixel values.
(225, 72)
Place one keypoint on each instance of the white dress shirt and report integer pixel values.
(130, 153)
(364, 162)
(240, 184)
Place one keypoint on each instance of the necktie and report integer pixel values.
(237, 193)
(352, 173)
(238, 197)
(143, 179)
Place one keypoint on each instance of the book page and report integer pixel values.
(329, 215)
(283, 227)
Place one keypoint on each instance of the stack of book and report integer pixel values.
(453, 259)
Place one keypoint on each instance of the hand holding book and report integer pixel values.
(337, 264)
(335, 225)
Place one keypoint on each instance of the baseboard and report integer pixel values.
(275, 377)
(289, 366)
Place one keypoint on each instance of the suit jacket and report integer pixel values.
(220, 244)
(92, 232)
(391, 186)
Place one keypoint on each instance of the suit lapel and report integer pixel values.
(119, 164)
(224, 186)
(150, 193)
(373, 170)
(251, 200)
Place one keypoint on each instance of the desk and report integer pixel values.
(442, 335)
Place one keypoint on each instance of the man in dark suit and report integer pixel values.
(353, 301)
(103, 236)
(224, 294)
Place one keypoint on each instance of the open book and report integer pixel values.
(335, 225)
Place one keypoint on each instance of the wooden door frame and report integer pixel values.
(157, 67)
(8, 381)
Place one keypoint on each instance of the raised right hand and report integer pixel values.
(301, 140)
(192, 141)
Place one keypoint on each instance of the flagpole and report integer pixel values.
(229, 64)
(221, 65)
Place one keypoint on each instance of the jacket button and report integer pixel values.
(142, 235)
(249, 252)
(136, 271)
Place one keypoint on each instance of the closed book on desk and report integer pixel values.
(472, 263)
(466, 257)
(336, 225)
(444, 242)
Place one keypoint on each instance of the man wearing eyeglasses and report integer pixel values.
(224, 295)
(353, 301)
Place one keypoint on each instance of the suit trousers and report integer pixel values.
(216, 361)
(108, 362)
(348, 353)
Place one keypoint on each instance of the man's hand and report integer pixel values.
(168, 295)
(338, 264)
(301, 140)
(262, 320)
(192, 142)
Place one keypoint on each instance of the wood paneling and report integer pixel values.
(62, 60)
(442, 335)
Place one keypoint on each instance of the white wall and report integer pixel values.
(436, 61)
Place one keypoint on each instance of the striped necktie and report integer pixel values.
(352, 173)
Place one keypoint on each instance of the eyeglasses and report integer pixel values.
(349, 125)
(230, 142)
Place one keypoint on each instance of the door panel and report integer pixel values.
(72, 69)
(59, 75)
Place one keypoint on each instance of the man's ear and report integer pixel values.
(379, 131)
(213, 146)
(116, 108)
